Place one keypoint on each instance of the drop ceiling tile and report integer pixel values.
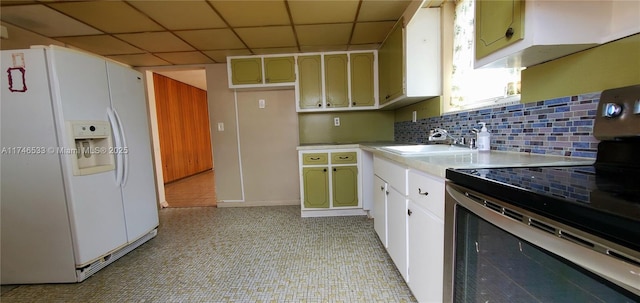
(139, 60)
(156, 42)
(387, 10)
(323, 48)
(370, 46)
(220, 56)
(267, 37)
(101, 45)
(181, 15)
(324, 34)
(185, 58)
(311, 12)
(371, 32)
(253, 13)
(108, 16)
(45, 21)
(211, 39)
(275, 50)
(20, 39)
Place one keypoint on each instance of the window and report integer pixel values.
(472, 88)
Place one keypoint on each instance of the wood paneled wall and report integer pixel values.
(183, 125)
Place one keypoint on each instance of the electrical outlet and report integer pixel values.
(414, 116)
(336, 121)
(220, 126)
(261, 103)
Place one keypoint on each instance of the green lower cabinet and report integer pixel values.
(345, 186)
(316, 187)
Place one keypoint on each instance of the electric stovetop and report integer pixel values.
(603, 204)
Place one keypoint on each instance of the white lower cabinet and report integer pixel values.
(397, 231)
(408, 212)
(380, 209)
(426, 255)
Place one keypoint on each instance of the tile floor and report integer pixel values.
(197, 190)
(255, 254)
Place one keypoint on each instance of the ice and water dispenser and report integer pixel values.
(93, 146)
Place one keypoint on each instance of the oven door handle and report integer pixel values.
(621, 273)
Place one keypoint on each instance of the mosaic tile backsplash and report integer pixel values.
(561, 126)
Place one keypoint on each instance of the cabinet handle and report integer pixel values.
(381, 187)
(422, 193)
(312, 158)
(266, 80)
(386, 192)
(354, 104)
(343, 157)
(324, 170)
(509, 33)
(328, 104)
(335, 169)
(409, 212)
(319, 104)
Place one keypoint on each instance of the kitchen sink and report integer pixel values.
(424, 149)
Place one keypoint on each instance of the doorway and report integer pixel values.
(182, 137)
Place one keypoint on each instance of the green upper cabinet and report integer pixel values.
(498, 24)
(336, 81)
(362, 79)
(310, 82)
(345, 186)
(279, 69)
(246, 71)
(390, 65)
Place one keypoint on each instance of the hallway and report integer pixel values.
(195, 191)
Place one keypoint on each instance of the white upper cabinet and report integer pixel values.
(410, 61)
(550, 29)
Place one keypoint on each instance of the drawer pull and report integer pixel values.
(344, 157)
(314, 158)
(381, 187)
(422, 193)
(409, 212)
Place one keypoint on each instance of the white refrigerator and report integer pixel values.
(77, 183)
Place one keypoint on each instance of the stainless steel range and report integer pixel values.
(551, 234)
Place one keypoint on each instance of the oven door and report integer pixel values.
(495, 252)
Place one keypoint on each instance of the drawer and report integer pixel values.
(344, 158)
(393, 173)
(315, 158)
(427, 191)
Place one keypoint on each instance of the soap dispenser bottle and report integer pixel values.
(484, 138)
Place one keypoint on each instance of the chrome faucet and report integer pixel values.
(442, 135)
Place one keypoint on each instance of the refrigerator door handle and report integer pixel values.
(116, 136)
(123, 149)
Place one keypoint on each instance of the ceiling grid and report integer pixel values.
(172, 32)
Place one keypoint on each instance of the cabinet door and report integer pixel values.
(362, 87)
(397, 230)
(380, 209)
(345, 186)
(335, 77)
(279, 70)
(498, 24)
(316, 187)
(396, 63)
(310, 84)
(390, 61)
(426, 254)
(246, 71)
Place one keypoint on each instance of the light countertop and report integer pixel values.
(436, 164)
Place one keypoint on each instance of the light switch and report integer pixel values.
(261, 103)
(220, 126)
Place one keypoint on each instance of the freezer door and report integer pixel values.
(138, 183)
(81, 92)
(36, 245)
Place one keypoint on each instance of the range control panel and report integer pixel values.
(618, 114)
